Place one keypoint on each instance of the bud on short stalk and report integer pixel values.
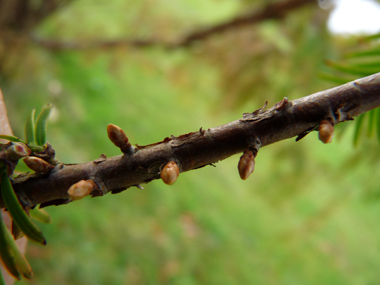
(246, 164)
(81, 189)
(326, 131)
(38, 164)
(170, 173)
(118, 138)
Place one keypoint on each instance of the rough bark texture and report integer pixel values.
(204, 147)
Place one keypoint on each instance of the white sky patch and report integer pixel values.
(355, 16)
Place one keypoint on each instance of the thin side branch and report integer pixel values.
(271, 11)
(194, 150)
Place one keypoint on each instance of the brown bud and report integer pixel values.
(326, 131)
(246, 164)
(81, 189)
(17, 150)
(38, 164)
(170, 173)
(118, 137)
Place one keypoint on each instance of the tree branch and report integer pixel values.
(5, 128)
(204, 147)
(271, 11)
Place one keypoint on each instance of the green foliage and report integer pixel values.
(29, 128)
(40, 129)
(307, 215)
(15, 209)
(10, 255)
(363, 61)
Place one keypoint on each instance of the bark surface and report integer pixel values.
(194, 150)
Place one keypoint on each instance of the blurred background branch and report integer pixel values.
(282, 225)
(276, 10)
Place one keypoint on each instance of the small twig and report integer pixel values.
(204, 147)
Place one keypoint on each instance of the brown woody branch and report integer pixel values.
(204, 147)
(271, 11)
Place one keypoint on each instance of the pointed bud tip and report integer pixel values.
(325, 131)
(170, 173)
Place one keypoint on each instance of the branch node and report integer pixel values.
(283, 105)
(100, 188)
(101, 158)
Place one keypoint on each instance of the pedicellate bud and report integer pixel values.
(118, 137)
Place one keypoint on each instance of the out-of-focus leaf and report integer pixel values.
(29, 128)
(340, 130)
(374, 65)
(41, 125)
(371, 118)
(19, 216)
(2, 281)
(351, 69)
(41, 215)
(369, 52)
(6, 253)
(377, 123)
(11, 138)
(371, 37)
(358, 125)
(335, 78)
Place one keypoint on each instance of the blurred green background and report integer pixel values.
(307, 215)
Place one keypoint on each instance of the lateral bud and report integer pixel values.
(325, 131)
(246, 164)
(17, 150)
(170, 173)
(118, 137)
(81, 189)
(38, 164)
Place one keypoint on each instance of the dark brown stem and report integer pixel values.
(271, 11)
(204, 147)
